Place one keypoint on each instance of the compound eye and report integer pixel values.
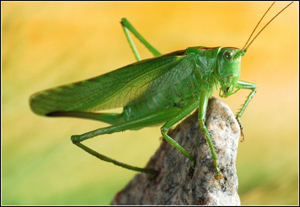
(228, 55)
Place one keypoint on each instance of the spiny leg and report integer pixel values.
(252, 87)
(149, 120)
(204, 96)
(127, 26)
(178, 117)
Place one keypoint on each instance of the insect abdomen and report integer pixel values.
(178, 95)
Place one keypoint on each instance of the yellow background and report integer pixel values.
(47, 44)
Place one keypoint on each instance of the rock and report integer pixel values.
(174, 185)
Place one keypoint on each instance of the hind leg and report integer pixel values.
(110, 118)
(145, 121)
(127, 26)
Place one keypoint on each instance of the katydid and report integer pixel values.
(160, 90)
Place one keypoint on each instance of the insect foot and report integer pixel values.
(241, 127)
(218, 174)
(175, 184)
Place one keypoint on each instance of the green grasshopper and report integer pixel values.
(164, 89)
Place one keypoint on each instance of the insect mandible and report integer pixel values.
(164, 89)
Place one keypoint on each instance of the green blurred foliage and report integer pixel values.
(46, 44)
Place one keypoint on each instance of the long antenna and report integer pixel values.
(266, 26)
(257, 25)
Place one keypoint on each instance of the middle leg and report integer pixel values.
(178, 117)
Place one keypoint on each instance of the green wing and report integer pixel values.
(116, 88)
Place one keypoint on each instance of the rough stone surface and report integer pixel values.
(174, 185)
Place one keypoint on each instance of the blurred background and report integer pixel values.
(46, 44)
